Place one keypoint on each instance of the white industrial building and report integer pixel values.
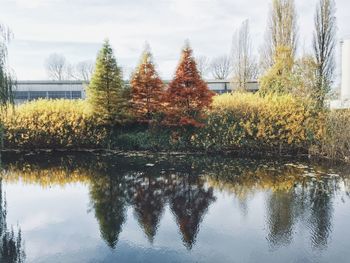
(33, 89)
(344, 101)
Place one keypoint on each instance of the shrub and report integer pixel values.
(52, 124)
(252, 122)
(335, 143)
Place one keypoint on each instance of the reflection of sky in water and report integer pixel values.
(59, 225)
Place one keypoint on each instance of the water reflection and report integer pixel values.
(11, 245)
(295, 193)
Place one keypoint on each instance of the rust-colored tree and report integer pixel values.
(147, 89)
(187, 95)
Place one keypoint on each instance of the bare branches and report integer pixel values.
(282, 30)
(84, 70)
(221, 67)
(324, 41)
(56, 67)
(244, 65)
(203, 65)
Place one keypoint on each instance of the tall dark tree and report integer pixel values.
(188, 95)
(324, 41)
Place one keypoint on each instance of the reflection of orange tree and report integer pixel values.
(189, 202)
(116, 182)
(148, 199)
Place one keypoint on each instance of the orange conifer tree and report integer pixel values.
(147, 89)
(188, 95)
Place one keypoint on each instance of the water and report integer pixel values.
(136, 208)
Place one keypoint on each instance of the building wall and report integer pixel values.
(31, 90)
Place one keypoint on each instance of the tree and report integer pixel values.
(244, 65)
(203, 65)
(106, 92)
(279, 78)
(188, 95)
(6, 79)
(221, 67)
(282, 31)
(324, 41)
(57, 67)
(147, 89)
(85, 70)
(305, 77)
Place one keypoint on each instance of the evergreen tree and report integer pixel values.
(106, 92)
(147, 89)
(188, 95)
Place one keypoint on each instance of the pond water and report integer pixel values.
(88, 207)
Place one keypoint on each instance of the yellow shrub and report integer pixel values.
(52, 124)
(335, 143)
(245, 120)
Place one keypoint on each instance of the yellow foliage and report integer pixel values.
(249, 120)
(52, 124)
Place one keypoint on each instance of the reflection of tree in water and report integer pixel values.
(118, 182)
(280, 217)
(189, 202)
(11, 244)
(148, 199)
(109, 202)
(298, 194)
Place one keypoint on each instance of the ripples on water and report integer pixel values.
(102, 208)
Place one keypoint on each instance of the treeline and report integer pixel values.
(148, 100)
(288, 114)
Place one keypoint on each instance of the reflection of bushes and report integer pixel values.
(187, 184)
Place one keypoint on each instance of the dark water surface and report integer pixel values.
(138, 208)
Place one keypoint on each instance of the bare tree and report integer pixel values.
(282, 30)
(221, 67)
(324, 41)
(84, 70)
(244, 65)
(56, 67)
(203, 65)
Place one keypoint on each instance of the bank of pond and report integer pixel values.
(244, 123)
(147, 207)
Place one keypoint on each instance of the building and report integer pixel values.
(44, 89)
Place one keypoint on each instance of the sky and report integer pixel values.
(77, 28)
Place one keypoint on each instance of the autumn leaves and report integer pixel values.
(148, 100)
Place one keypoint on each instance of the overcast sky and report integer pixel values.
(76, 28)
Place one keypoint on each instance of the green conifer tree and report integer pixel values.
(106, 92)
